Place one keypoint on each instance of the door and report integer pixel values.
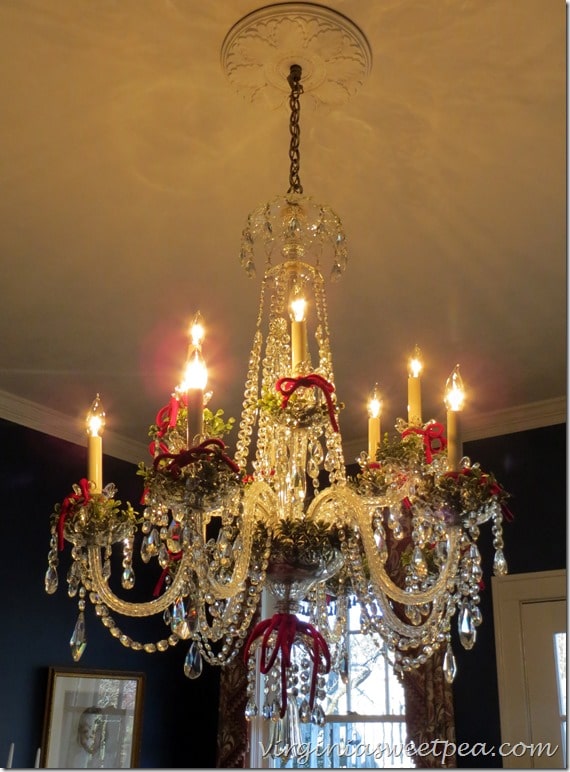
(530, 618)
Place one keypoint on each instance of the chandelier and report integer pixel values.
(281, 514)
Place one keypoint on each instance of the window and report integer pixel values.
(364, 717)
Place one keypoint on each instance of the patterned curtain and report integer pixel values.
(429, 710)
(232, 724)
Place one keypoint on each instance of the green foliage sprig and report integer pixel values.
(95, 520)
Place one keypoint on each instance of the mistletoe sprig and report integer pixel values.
(303, 539)
(394, 458)
(89, 517)
(471, 490)
(195, 476)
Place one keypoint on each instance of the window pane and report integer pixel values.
(351, 745)
(374, 689)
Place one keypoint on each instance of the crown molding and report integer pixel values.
(64, 427)
(534, 415)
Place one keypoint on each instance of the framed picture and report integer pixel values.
(92, 719)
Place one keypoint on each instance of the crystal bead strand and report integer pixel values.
(102, 612)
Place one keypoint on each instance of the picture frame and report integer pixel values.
(92, 720)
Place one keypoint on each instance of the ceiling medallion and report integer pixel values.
(333, 52)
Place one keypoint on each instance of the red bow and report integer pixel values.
(286, 387)
(68, 503)
(166, 419)
(434, 439)
(210, 448)
(286, 626)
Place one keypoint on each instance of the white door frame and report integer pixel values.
(510, 594)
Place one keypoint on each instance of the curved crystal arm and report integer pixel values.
(346, 506)
(393, 622)
(259, 506)
(128, 608)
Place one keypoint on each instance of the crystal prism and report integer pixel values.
(305, 712)
(290, 728)
(193, 662)
(467, 631)
(449, 666)
(179, 621)
(78, 640)
(150, 545)
(251, 710)
(419, 563)
(128, 578)
(51, 580)
(500, 564)
(318, 716)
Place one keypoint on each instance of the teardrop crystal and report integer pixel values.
(150, 545)
(419, 563)
(318, 716)
(193, 662)
(449, 666)
(414, 615)
(305, 712)
(500, 567)
(467, 631)
(128, 578)
(275, 711)
(179, 621)
(51, 580)
(251, 710)
(290, 728)
(78, 640)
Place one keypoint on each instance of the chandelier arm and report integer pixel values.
(391, 620)
(383, 583)
(128, 608)
(333, 633)
(354, 511)
(260, 504)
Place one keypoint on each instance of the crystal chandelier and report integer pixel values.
(282, 515)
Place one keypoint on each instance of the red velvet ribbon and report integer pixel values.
(287, 386)
(494, 489)
(166, 419)
(433, 437)
(287, 626)
(68, 503)
(211, 448)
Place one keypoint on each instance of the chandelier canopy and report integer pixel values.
(282, 514)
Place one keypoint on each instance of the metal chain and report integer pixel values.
(294, 156)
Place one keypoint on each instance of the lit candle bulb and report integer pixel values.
(415, 367)
(454, 399)
(299, 343)
(374, 410)
(195, 380)
(95, 423)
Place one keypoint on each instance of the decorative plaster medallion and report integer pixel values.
(260, 48)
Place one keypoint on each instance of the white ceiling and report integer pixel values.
(129, 164)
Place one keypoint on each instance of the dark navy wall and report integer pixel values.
(532, 466)
(179, 716)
